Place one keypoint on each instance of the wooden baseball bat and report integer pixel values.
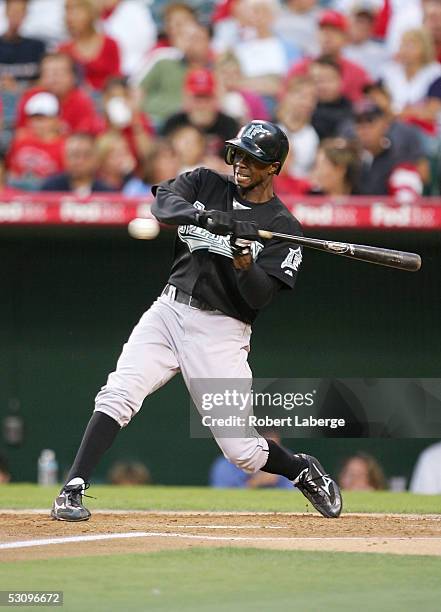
(411, 262)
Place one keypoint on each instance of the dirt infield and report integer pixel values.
(35, 536)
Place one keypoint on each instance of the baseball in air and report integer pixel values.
(143, 229)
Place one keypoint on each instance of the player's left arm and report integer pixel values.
(279, 259)
(256, 287)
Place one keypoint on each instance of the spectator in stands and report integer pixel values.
(19, 56)
(231, 24)
(337, 168)
(408, 79)
(432, 23)
(44, 20)
(177, 16)
(130, 24)
(332, 35)
(190, 145)
(405, 133)
(264, 58)
(201, 109)
(297, 22)
(393, 159)
(426, 477)
(224, 474)
(288, 184)
(129, 473)
(77, 111)
(160, 164)
(122, 115)
(96, 54)
(362, 472)
(241, 104)
(361, 48)
(5, 474)
(400, 16)
(333, 108)
(116, 163)
(36, 152)
(162, 78)
(377, 93)
(81, 165)
(294, 113)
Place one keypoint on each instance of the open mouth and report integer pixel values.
(240, 176)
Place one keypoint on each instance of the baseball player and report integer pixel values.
(222, 275)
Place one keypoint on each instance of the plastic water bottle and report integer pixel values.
(12, 424)
(47, 468)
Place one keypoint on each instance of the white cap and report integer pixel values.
(42, 103)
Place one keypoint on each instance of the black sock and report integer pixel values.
(98, 437)
(280, 461)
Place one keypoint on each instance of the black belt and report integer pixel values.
(182, 297)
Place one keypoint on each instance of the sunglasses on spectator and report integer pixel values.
(369, 118)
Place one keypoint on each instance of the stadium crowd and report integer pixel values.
(115, 95)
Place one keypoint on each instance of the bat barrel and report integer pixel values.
(401, 260)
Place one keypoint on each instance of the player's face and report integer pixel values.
(249, 172)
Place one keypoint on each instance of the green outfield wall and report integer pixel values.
(69, 299)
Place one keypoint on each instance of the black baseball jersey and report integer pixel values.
(202, 263)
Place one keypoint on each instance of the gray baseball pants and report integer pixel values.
(172, 337)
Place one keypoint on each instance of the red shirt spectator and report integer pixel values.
(77, 110)
(286, 185)
(29, 155)
(97, 54)
(332, 39)
(37, 150)
(122, 115)
(98, 69)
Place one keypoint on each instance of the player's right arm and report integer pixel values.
(174, 204)
(174, 199)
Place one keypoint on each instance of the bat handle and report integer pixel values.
(265, 234)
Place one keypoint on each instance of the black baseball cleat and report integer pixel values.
(68, 506)
(321, 490)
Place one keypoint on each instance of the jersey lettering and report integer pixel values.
(199, 238)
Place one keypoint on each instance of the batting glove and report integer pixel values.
(245, 229)
(216, 222)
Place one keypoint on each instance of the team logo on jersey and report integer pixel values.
(253, 130)
(292, 261)
(197, 238)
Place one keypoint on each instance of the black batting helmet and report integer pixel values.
(263, 140)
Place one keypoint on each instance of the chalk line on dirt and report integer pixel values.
(155, 534)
